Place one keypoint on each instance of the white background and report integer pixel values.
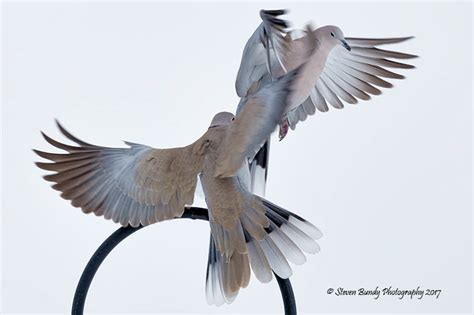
(387, 181)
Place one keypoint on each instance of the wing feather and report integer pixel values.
(258, 118)
(262, 51)
(328, 94)
(369, 42)
(352, 75)
(135, 185)
(331, 82)
(318, 100)
(347, 83)
(379, 53)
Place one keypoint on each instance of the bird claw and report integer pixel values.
(284, 126)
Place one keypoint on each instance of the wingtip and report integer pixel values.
(37, 152)
(42, 165)
(40, 154)
(69, 135)
(48, 138)
(404, 39)
(276, 12)
(273, 18)
(45, 136)
(409, 56)
(59, 125)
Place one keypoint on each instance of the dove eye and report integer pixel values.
(233, 118)
(332, 34)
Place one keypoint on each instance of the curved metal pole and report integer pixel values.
(122, 233)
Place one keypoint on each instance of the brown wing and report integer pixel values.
(135, 185)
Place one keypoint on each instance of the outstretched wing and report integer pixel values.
(349, 76)
(135, 185)
(259, 116)
(262, 52)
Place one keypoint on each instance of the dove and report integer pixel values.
(140, 185)
(342, 69)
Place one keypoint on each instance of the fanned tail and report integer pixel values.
(225, 277)
(273, 237)
(288, 236)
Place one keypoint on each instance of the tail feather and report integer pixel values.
(305, 226)
(267, 248)
(214, 292)
(289, 249)
(278, 262)
(225, 275)
(290, 223)
(259, 169)
(259, 262)
(285, 240)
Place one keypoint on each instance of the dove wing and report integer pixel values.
(253, 125)
(348, 76)
(259, 116)
(135, 185)
(262, 52)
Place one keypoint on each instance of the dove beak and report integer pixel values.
(345, 45)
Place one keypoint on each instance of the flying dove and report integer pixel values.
(140, 185)
(342, 69)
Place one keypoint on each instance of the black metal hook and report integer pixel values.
(122, 233)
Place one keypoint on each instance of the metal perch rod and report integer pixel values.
(122, 233)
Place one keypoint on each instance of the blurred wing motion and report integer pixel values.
(263, 49)
(351, 75)
(254, 124)
(258, 117)
(135, 185)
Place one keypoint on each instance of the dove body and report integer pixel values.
(296, 55)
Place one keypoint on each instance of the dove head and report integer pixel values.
(222, 119)
(333, 36)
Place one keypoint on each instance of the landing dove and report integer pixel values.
(140, 185)
(342, 69)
